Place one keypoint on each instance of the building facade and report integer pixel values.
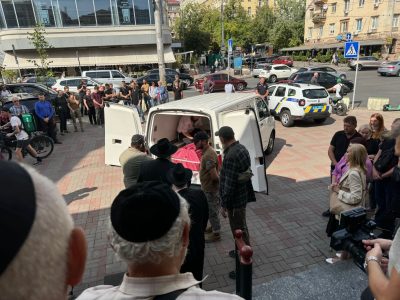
(375, 23)
(173, 9)
(95, 32)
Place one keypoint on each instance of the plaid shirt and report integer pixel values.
(234, 194)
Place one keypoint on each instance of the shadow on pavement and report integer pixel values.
(78, 194)
(279, 144)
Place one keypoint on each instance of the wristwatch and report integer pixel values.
(368, 259)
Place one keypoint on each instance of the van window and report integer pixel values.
(271, 89)
(63, 83)
(101, 74)
(116, 74)
(315, 93)
(262, 109)
(292, 93)
(73, 82)
(280, 92)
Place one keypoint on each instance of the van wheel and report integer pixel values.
(240, 86)
(271, 143)
(286, 118)
(359, 67)
(272, 78)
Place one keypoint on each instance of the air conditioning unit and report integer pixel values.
(356, 32)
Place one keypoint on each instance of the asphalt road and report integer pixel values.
(369, 84)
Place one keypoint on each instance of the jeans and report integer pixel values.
(92, 115)
(49, 128)
(213, 210)
(74, 115)
(140, 111)
(100, 115)
(237, 220)
(148, 101)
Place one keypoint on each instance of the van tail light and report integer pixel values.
(302, 102)
(219, 157)
(330, 100)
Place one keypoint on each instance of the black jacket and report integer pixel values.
(156, 169)
(198, 211)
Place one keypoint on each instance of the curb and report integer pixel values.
(377, 103)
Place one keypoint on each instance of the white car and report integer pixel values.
(299, 101)
(275, 72)
(259, 68)
(73, 82)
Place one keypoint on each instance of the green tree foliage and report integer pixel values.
(38, 40)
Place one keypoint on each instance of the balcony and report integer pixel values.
(318, 18)
(320, 2)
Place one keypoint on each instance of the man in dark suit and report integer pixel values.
(180, 178)
(157, 169)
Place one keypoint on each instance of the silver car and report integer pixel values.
(391, 68)
(365, 62)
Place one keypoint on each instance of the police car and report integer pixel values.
(299, 101)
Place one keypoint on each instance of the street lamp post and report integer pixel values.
(159, 39)
(222, 29)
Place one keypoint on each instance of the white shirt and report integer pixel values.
(229, 88)
(16, 122)
(394, 254)
(148, 287)
(337, 88)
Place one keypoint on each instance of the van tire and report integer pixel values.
(240, 86)
(359, 67)
(271, 143)
(286, 118)
(273, 78)
(320, 121)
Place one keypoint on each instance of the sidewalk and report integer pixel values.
(286, 227)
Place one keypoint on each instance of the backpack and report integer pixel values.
(341, 91)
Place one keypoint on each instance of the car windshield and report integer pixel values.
(315, 93)
(393, 63)
(293, 76)
(46, 88)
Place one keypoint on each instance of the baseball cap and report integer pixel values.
(225, 132)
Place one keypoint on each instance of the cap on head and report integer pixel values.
(179, 175)
(145, 211)
(200, 136)
(225, 132)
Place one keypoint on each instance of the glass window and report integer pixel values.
(103, 12)
(69, 15)
(44, 12)
(224, 77)
(142, 11)
(262, 109)
(280, 92)
(395, 22)
(359, 24)
(271, 89)
(116, 74)
(9, 14)
(332, 28)
(26, 17)
(292, 92)
(315, 93)
(361, 3)
(63, 82)
(374, 22)
(346, 6)
(86, 12)
(333, 8)
(125, 12)
(102, 74)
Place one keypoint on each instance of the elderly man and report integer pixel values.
(18, 109)
(132, 158)
(44, 254)
(153, 243)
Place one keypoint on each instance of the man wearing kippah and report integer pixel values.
(153, 243)
(132, 158)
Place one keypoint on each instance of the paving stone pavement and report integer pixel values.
(286, 227)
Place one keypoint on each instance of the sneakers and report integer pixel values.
(212, 237)
(38, 161)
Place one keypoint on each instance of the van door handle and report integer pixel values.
(261, 124)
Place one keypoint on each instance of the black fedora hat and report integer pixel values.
(179, 175)
(163, 148)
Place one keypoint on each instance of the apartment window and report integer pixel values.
(374, 23)
(395, 21)
(259, 3)
(333, 8)
(346, 6)
(332, 28)
(249, 11)
(321, 31)
(358, 24)
(310, 32)
(361, 3)
(344, 26)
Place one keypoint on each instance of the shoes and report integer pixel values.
(82, 130)
(326, 213)
(212, 237)
(61, 133)
(232, 275)
(57, 142)
(38, 161)
(332, 260)
(232, 253)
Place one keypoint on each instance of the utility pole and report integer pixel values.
(159, 38)
(222, 29)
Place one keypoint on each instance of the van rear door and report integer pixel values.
(244, 124)
(121, 123)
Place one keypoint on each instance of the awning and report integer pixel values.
(91, 57)
(334, 45)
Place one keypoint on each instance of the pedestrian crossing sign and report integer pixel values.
(351, 49)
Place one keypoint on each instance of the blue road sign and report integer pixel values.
(230, 45)
(348, 36)
(351, 49)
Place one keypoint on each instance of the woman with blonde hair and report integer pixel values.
(350, 191)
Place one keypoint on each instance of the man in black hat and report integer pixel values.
(150, 232)
(180, 178)
(41, 252)
(132, 158)
(157, 169)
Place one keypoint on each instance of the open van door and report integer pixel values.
(121, 122)
(244, 124)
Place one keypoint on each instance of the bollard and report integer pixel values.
(244, 267)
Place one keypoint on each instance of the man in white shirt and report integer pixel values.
(153, 243)
(21, 136)
(4, 92)
(337, 89)
(229, 88)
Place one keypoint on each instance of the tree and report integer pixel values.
(38, 40)
(263, 24)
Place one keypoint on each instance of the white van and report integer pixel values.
(246, 113)
(108, 76)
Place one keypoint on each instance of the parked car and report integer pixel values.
(294, 101)
(324, 69)
(365, 62)
(73, 83)
(32, 89)
(326, 80)
(171, 72)
(271, 58)
(219, 80)
(258, 68)
(29, 102)
(285, 60)
(391, 68)
(47, 81)
(274, 72)
(107, 76)
(156, 78)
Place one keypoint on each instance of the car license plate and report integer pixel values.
(318, 107)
